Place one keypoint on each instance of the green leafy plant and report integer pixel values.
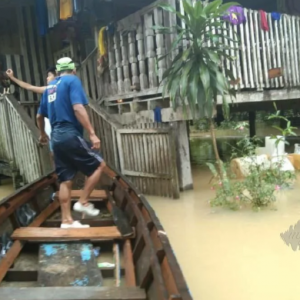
(275, 175)
(259, 187)
(195, 76)
(288, 131)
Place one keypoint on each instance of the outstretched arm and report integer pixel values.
(25, 85)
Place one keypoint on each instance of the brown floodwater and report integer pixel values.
(232, 254)
(6, 188)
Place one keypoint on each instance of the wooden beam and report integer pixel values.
(92, 223)
(71, 234)
(8, 260)
(129, 266)
(29, 276)
(96, 194)
(72, 293)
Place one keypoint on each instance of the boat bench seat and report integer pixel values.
(42, 234)
(95, 195)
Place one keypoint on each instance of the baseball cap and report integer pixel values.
(65, 63)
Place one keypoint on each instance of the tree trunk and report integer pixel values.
(214, 141)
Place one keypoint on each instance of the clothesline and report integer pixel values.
(236, 16)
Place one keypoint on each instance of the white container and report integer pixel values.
(297, 149)
(271, 147)
(285, 164)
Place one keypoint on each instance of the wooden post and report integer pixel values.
(175, 181)
(129, 266)
(252, 118)
(141, 57)
(117, 264)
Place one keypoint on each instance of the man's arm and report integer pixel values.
(79, 100)
(83, 117)
(25, 85)
(40, 123)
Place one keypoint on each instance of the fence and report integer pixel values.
(148, 158)
(19, 141)
(264, 59)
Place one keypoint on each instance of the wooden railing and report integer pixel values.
(19, 141)
(104, 125)
(264, 59)
(106, 130)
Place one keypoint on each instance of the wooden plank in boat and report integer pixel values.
(72, 264)
(95, 195)
(39, 234)
(73, 293)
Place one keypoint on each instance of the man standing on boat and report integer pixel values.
(63, 103)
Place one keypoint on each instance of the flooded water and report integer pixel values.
(232, 255)
(6, 188)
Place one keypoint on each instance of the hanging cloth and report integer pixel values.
(264, 21)
(276, 16)
(102, 55)
(66, 9)
(42, 18)
(157, 114)
(101, 41)
(52, 12)
(235, 15)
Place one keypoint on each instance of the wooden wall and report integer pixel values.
(36, 55)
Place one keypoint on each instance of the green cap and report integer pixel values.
(64, 64)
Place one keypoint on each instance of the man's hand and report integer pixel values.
(44, 139)
(95, 141)
(10, 73)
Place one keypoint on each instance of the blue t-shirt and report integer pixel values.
(57, 104)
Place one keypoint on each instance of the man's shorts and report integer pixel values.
(72, 155)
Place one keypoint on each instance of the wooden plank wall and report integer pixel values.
(264, 59)
(148, 158)
(36, 55)
(133, 51)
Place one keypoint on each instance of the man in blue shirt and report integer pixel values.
(63, 104)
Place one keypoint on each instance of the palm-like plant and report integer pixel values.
(195, 76)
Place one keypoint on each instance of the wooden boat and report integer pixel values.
(43, 261)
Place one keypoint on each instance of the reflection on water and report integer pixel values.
(232, 255)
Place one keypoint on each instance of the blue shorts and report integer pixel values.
(72, 155)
